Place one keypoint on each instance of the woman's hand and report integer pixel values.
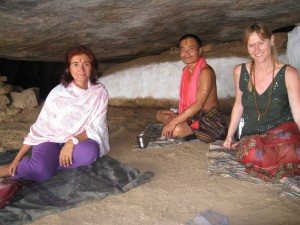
(228, 142)
(12, 168)
(66, 154)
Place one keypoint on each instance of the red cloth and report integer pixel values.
(188, 90)
(8, 189)
(273, 154)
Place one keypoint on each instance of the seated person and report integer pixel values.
(71, 129)
(199, 115)
(268, 99)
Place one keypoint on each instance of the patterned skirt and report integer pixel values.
(210, 126)
(271, 155)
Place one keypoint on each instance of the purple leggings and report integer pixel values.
(45, 160)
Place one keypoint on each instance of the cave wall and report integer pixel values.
(27, 74)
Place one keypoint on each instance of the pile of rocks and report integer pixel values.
(14, 99)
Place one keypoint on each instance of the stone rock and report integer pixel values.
(10, 111)
(123, 30)
(25, 99)
(3, 79)
(37, 93)
(6, 89)
(4, 101)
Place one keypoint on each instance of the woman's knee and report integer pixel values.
(42, 164)
(86, 152)
(33, 170)
(43, 173)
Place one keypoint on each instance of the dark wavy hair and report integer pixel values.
(66, 77)
(193, 36)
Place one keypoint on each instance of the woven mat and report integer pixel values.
(154, 141)
(224, 163)
(70, 188)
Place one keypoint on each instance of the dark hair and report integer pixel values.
(193, 36)
(66, 77)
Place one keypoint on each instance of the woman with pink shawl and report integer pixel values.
(71, 129)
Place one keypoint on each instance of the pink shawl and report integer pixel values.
(68, 112)
(188, 90)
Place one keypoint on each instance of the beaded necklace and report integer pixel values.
(254, 91)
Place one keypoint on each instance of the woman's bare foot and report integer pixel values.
(4, 171)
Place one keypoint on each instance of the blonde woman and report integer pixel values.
(268, 99)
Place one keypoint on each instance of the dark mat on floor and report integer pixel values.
(154, 140)
(70, 188)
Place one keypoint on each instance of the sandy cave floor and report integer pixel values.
(179, 190)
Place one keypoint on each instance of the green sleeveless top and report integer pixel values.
(279, 111)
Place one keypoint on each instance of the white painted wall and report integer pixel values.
(162, 80)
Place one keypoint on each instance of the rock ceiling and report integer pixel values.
(123, 30)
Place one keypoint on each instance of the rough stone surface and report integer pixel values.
(26, 99)
(6, 89)
(3, 79)
(122, 30)
(4, 101)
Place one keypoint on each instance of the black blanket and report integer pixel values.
(69, 188)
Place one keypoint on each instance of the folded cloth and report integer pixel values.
(223, 162)
(8, 189)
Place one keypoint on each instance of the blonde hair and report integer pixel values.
(265, 33)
